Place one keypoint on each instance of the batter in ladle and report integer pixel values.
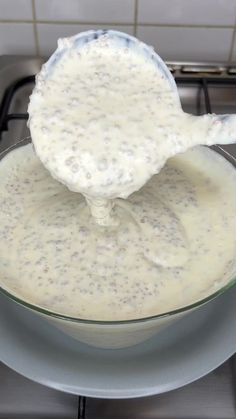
(103, 120)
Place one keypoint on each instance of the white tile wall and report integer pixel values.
(121, 11)
(180, 29)
(16, 9)
(190, 44)
(19, 39)
(48, 34)
(187, 12)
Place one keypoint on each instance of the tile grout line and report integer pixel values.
(78, 22)
(184, 25)
(36, 40)
(232, 45)
(135, 16)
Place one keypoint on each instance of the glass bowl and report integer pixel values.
(116, 334)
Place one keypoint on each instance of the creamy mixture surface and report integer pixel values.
(175, 244)
(103, 120)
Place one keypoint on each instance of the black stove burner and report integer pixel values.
(5, 115)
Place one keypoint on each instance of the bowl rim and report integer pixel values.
(43, 311)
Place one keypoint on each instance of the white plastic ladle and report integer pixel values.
(204, 130)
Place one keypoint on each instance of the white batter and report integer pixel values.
(104, 120)
(103, 123)
(176, 242)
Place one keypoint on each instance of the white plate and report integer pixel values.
(177, 356)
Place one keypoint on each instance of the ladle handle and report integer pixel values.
(213, 129)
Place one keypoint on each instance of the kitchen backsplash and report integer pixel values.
(190, 30)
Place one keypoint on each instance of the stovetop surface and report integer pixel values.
(211, 397)
(202, 89)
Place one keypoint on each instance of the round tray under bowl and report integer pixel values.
(182, 353)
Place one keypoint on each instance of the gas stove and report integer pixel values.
(203, 88)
